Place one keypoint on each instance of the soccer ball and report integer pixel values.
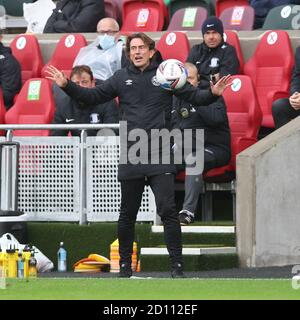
(171, 74)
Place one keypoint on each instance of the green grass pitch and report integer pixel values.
(148, 289)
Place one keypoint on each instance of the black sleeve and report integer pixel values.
(10, 77)
(295, 80)
(195, 96)
(174, 113)
(230, 62)
(214, 114)
(110, 112)
(92, 96)
(192, 57)
(86, 20)
(61, 102)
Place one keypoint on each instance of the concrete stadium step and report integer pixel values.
(199, 229)
(190, 251)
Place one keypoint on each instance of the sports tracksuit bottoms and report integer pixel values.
(162, 186)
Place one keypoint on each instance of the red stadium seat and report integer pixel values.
(270, 69)
(224, 4)
(238, 18)
(174, 45)
(232, 38)
(144, 15)
(112, 9)
(26, 49)
(34, 105)
(65, 52)
(2, 112)
(245, 116)
(188, 19)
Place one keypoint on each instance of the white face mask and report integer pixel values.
(106, 41)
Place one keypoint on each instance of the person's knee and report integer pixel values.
(279, 107)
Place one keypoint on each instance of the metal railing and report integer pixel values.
(43, 160)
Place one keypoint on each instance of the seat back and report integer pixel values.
(224, 4)
(112, 10)
(188, 19)
(270, 69)
(238, 18)
(65, 52)
(26, 49)
(175, 5)
(231, 37)
(285, 17)
(144, 15)
(243, 110)
(34, 105)
(174, 45)
(244, 116)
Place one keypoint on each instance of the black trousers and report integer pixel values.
(163, 189)
(283, 112)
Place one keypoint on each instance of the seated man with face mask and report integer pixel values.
(105, 55)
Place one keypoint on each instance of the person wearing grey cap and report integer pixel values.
(214, 57)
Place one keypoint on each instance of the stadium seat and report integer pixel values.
(2, 112)
(238, 18)
(112, 9)
(245, 116)
(188, 19)
(285, 17)
(15, 7)
(224, 4)
(34, 105)
(26, 49)
(232, 38)
(174, 45)
(144, 16)
(65, 52)
(270, 69)
(175, 5)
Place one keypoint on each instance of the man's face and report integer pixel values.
(192, 77)
(83, 80)
(106, 27)
(212, 38)
(140, 54)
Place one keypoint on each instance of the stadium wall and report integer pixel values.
(268, 201)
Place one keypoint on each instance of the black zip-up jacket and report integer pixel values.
(75, 16)
(222, 59)
(144, 105)
(213, 119)
(68, 111)
(295, 80)
(10, 75)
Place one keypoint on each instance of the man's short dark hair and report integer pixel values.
(78, 70)
(139, 35)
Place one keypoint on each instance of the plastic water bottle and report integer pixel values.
(61, 258)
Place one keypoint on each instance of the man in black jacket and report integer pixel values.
(287, 109)
(213, 119)
(144, 106)
(213, 58)
(10, 75)
(69, 111)
(75, 16)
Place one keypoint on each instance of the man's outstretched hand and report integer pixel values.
(218, 88)
(57, 76)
